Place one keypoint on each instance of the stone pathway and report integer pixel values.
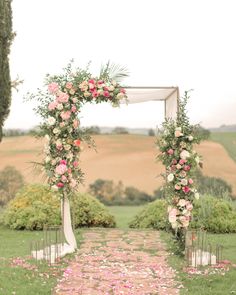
(115, 262)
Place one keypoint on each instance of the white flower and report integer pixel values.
(190, 138)
(114, 83)
(197, 196)
(56, 131)
(197, 159)
(87, 94)
(178, 128)
(51, 121)
(46, 148)
(111, 88)
(184, 181)
(54, 188)
(67, 147)
(184, 155)
(47, 159)
(60, 106)
(70, 156)
(120, 95)
(47, 137)
(170, 177)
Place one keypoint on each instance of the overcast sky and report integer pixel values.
(185, 43)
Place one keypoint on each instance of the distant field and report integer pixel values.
(130, 158)
(228, 140)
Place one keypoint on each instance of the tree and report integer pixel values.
(11, 181)
(94, 130)
(151, 132)
(120, 130)
(6, 37)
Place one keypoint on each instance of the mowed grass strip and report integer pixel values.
(228, 140)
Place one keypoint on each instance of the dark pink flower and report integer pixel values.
(186, 189)
(106, 93)
(60, 184)
(63, 162)
(170, 152)
(187, 168)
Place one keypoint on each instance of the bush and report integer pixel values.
(36, 206)
(211, 214)
(11, 180)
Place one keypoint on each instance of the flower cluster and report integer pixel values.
(176, 153)
(60, 105)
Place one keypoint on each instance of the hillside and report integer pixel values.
(130, 158)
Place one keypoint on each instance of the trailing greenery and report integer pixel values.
(11, 180)
(6, 37)
(209, 213)
(36, 206)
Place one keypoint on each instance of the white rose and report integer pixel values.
(190, 138)
(120, 95)
(67, 147)
(184, 181)
(51, 121)
(170, 177)
(56, 131)
(184, 155)
(60, 106)
(47, 159)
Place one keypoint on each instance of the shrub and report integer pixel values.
(209, 213)
(11, 180)
(36, 206)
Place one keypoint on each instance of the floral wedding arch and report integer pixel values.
(59, 106)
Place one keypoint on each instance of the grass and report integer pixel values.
(207, 284)
(124, 214)
(228, 140)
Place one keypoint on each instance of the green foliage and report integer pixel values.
(6, 37)
(214, 186)
(154, 215)
(209, 213)
(87, 211)
(94, 130)
(202, 133)
(151, 132)
(36, 206)
(11, 180)
(112, 194)
(33, 207)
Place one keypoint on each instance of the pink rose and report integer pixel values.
(174, 162)
(63, 162)
(122, 90)
(65, 115)
(52, 105)
(189, 206)
(63, 97)
(62, 124)
(76, 164)
(75, 123)
(69, 85)
(106, 93)
(187, 168)
(64, 178)
(73, 183)
(173, 167)
(181, 161)
(190, 181)
(170, 152)
(73, 108)
(61, 169)
(172, 215)
(60, 184)
(95, 94)
(53, 87)
(74, 99)
(59, 147)
(186, 189)
(177, 187)
(91, 85)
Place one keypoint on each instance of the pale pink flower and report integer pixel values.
(182, 202)
(61, 169)
(172, 215)
(52, 105)
(184, 220)
(182, 161)
(65, 115)
(190, 181)
(73, 108)
(72, 91)
(189, 206)
(62, 124)
(73, 183)
(170, 152)
(69, 85)
(63, 97)
(74, 99)
(178, 166)
(64, 178)
(53, 87)
(178, 133)
(177, 187)
(76, 164)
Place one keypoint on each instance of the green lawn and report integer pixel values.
(228, 140)
(124, 214)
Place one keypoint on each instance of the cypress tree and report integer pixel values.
(6, 37)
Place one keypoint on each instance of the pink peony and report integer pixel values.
(73, 108)
(187, 168)
(63, 97)
(170, 152)
(60, 184)
(53, 87)
(190, 181)
(61, 169)
(52, 105)
(106, 93)
(65, 115)
(186, 189)
(69, 85)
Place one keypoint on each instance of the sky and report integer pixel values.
(185, 43)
